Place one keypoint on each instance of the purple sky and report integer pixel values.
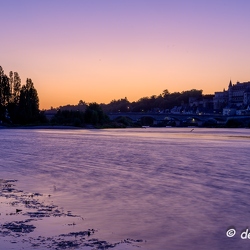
(108, 49)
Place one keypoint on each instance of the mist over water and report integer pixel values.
(170, 187)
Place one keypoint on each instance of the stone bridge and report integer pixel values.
(168, 118)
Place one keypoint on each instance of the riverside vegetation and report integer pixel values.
(19, 105)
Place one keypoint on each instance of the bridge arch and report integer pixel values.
(172, 121)
(147, 120)
(194, 121)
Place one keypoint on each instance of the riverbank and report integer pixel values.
(45, 127)
(32, 220)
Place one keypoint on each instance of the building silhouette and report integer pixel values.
(237, 96)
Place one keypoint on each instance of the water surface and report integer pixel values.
(170, 187)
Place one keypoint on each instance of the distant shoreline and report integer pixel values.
(49, 127)
(45, 127)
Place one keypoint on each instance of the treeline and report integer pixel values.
(19, 104)
(164, 101)
(93, 115)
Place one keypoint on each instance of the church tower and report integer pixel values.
(230, 94)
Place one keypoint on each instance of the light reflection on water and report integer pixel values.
(174, 188)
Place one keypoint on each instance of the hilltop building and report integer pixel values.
(237, 96)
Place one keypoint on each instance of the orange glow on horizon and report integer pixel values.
(108, 50)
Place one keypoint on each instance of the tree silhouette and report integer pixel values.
(29, 103)
(95, 115)
(4, 93)
(16, 88)
(13, 105)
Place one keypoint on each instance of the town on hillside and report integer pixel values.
(233, 101)
(228, 108)
(19, 105)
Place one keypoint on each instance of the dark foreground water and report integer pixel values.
(169, 187)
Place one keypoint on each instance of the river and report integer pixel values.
(171, 188)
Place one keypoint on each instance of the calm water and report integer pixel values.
(174, 188)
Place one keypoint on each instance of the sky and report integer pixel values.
(101, 50)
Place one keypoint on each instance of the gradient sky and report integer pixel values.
(99, 50)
